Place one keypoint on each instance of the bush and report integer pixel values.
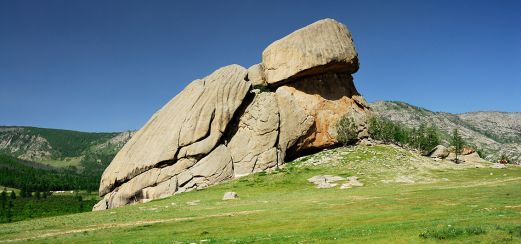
(347, 131)
(451, 232)
(515, 231)
(504, 158)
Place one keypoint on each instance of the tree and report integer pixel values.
(457, 142)
(23, 192)
(80, 199)
(4, 198)
(347, 132)
(432, 138)
(10, 211)
(13, 195)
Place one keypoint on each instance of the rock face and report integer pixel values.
(190, 125)
(239, 121)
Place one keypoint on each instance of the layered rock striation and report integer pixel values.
(238, 121)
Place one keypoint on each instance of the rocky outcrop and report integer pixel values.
(322, 47)
(239, 121)
(16, 141)
(190, 125)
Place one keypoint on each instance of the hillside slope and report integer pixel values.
(495, 133)
(39, 159)
(52, 146)
(405, 197)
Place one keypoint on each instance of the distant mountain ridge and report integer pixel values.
(39, 159)
(495, 133)
(42, 144)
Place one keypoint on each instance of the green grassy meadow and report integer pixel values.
(59, 163)
(406, 198)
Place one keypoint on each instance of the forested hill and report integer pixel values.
(51, 159)
(42, 144)
(494, 133)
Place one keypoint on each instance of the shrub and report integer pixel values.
(452, 232)
(515, 231)
(347, 131)
(262, 88)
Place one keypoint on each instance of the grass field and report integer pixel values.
(406, 199)
(59, 163)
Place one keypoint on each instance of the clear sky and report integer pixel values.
(109, 65)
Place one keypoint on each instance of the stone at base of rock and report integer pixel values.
(439, 151)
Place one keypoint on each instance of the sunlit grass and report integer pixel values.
(457, 203)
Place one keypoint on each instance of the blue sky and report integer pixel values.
(109, 65)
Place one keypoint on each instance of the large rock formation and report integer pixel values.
(238, 121)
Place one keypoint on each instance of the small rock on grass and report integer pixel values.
(230, 195)
(193, 203)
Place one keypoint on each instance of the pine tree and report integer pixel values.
(4, 202)
(80, 199)
(4, 198)
(457, 142)
(23, 192)
(10, 211)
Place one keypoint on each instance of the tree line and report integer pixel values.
(423, 137)
(40, 204)
(14, 173)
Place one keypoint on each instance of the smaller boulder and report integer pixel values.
(473, 157)
(452, 157)
(439, 151)
(230, 195)
(467, 151)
